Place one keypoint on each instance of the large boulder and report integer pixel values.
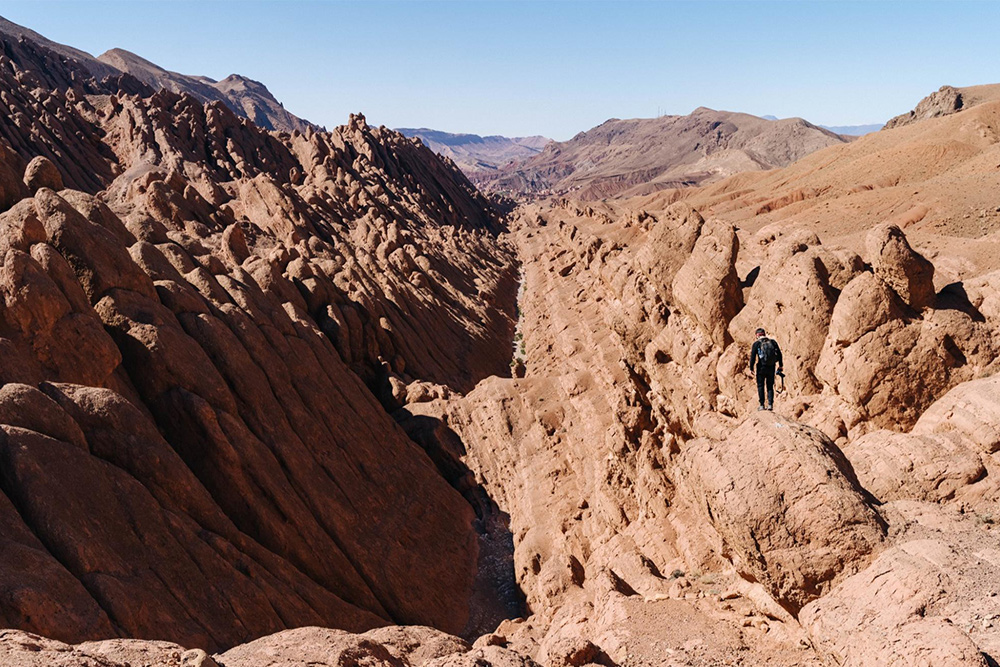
(786, 505)
(707, 287)
(881, 616)
(910, 274)
(668, 245)
(41, 173)
(891, 362)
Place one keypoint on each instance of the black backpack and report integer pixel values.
(767, 352)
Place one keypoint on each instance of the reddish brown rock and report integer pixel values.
(880, 616)
(906, 271)
(894, 466)
(235, 243)
(412, 646)
(12, 188)
(792, 299)
(786, 505)
(222, 465)
(41, 173)
(21, 649)
(872, 328)
(707, 287)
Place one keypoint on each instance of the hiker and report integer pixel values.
(766, 354)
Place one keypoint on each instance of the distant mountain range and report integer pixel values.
(854, 130)
(847, 130)
(248, 98)
(648, 154)
(618, 156)
(473, 153)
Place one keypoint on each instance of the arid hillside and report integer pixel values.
(645, 155)
(937, 179)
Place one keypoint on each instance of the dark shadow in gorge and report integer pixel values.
(495, 595)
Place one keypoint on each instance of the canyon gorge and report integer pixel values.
(259, 402)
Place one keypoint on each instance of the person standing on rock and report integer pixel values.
(765, 357)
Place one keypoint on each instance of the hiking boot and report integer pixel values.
(760, 407)
(771, 408)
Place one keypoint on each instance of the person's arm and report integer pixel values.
(753, 354)
(781, 365)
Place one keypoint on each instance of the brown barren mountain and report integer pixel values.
(256, 408)
(649, 154)
(248, 98)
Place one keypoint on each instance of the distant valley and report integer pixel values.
(473, 153)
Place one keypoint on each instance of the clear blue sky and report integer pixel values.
(552, 68)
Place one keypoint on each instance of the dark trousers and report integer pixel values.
(765, 379)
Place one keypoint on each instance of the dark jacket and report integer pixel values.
(756, 347)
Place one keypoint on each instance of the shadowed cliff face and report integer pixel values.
(190, 311)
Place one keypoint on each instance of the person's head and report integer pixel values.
(761, 332)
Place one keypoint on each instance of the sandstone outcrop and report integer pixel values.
(883, 614)
(256, 398)
(950, 449)
(946, 100)
(198, 322)
(906, 272)
(707, 288)
(41, 173)
(786, 505)
(793, 298)
(412, 646)
(894, 466)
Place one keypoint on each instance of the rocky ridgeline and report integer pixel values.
(202, 324)
(632, 460)
(944, 101)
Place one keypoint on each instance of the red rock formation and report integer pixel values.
(203, 337)
(189, 448)
(413, 646)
